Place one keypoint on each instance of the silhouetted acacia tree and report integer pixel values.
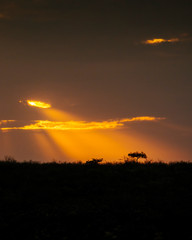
(137, 155)
(94, 161)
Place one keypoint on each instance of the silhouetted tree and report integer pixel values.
(137, 155)
(94, 161)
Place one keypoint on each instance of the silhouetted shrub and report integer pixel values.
(137, 155)
(10, 159)
(94, 161)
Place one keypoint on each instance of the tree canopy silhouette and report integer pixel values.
(94, 161)
(137, 155)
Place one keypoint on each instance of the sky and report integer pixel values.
(116, 74)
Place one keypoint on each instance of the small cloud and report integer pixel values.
(143, 118)
(156, 41)
(34, 103)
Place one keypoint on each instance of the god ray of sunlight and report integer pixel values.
(63, 132)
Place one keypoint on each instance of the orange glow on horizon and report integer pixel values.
(64, 135)
(81, 146)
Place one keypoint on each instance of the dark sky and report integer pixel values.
(89, 58)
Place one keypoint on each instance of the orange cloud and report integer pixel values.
(79, 125)
(143, 118)
(69, 125)
(34, 103)
(156, 41)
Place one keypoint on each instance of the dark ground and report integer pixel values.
(107, 201)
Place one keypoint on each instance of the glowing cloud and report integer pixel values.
(156, 41)
(69, 125)
(143, 118)
(37, 104)
(80, 125)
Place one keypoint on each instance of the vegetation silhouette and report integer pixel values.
(94, 161)
(125, 200)
(137, 155)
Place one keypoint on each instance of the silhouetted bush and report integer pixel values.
(9, 159)
(94, 161)
(137, 155)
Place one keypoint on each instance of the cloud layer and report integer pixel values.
(73, 125)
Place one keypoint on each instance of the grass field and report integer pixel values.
(95, 201)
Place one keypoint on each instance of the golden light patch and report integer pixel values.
(38, 104)
(160, 40)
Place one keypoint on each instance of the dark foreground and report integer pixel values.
(78, 201)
